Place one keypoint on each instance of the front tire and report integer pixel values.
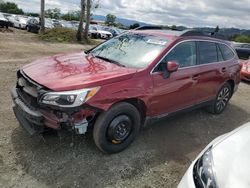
(222, 99)
(117, 128)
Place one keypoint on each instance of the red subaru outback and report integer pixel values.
(124, 83)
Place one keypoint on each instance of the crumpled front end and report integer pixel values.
(36, 118)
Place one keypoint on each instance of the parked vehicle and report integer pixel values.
(3, 21)
(33, 25)
(96, 31)
(223, 163)
(245, 71)
(125, 83)
(11, 19)
(114, 31)
(20, 22)
(75, 25)
(66, 24)
(56, 23)
(243, 50)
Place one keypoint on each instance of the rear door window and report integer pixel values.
(220, 56)
(207, 52)
(226, 52)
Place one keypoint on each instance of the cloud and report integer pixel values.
(192, 13)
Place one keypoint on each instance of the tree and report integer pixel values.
(82, 16)
(133, 26)
(32, 14)
(73, 15)
(110, 19)
(9, 7)
(86, 31)
(53, 13)
(42, 17)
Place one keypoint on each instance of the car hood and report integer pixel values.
(231, 158)
(75, 71)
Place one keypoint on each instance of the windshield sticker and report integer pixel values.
(157, 42)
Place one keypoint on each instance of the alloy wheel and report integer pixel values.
(223, 99)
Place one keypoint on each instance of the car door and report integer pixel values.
(176, 92)
(212, 70)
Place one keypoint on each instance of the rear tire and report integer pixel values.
(221, 101)
(117, 128)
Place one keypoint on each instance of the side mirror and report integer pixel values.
(172, 66)
(169, 67)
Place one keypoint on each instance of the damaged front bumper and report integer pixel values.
(31, 120)
(36, 121)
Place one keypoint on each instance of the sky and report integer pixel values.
(191, 13)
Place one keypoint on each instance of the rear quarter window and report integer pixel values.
(226, 52)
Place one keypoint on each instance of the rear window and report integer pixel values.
(226, 52)
(208, 52)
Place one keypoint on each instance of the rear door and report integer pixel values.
(177, 91)
(213, 70)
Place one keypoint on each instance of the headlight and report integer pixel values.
(68, 98)
(203, 172)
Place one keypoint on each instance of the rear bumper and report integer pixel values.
(30, 119)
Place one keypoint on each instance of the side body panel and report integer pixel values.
(174, 93)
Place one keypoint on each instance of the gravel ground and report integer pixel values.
(158, 158)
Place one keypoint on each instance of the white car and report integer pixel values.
(224, 163)
(20, 22)
(96, 31)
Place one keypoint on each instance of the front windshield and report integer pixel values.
(131, 49)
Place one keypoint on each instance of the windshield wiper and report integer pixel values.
(110, 60)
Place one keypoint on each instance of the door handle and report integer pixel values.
(196, 77)
(223, 69)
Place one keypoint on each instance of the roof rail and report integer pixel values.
(201, 33)
(189, 32)
(148, 27)
(155, 27)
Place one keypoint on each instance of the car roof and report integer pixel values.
(189, 34)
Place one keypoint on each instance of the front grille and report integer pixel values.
(27, 91)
